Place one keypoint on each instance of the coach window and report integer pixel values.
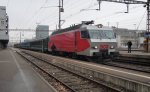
(84, 34)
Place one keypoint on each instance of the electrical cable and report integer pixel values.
(66, 7)
(141, 20)
(7, 3)
(35, 13)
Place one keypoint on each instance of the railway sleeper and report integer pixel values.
(67, 78)
(77, 84)
(54, 71)
(60, 73)
(134, 67)
(67, 82)
(133, 61)
(81, 87)
(73, 79)
(62, 76)
(92, 90)
(81, 80)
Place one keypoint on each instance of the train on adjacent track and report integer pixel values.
(85, 39)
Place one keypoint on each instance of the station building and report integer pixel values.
(124, 35)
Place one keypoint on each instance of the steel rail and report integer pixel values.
(46, 72)
(96, 82)
(131, 63)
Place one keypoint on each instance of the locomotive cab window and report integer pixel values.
(109, 34)
(101, 34)
(84, 34)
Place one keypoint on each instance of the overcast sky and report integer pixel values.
(28, 13)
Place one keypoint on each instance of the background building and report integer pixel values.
(42, 31)
(4, 37)
(124, 35)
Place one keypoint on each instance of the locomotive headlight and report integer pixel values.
(95, 47)
(111, 47)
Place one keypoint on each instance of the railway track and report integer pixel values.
(131, 63)
(72, 81)
(134, 60)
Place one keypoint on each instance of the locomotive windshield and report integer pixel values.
(85, 34)
(101, 34)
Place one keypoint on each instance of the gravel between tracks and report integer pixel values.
(76, 83)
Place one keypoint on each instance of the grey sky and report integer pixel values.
(27, 13)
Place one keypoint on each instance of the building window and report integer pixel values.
(2, 23)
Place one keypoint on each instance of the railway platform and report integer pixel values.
(17, 76)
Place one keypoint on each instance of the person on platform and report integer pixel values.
(129, 46)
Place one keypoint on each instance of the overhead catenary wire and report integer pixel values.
(141, 20)
(76, 13)
(26, 11)
(119, 14)
(7, 3)
(74, 5)
(104, 16)
(93, 6)
(78, 5)
(47, 17)
(35, 13)
(116, 13)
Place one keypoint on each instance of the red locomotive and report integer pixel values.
(85, 40)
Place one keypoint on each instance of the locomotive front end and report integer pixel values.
(102, 42)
